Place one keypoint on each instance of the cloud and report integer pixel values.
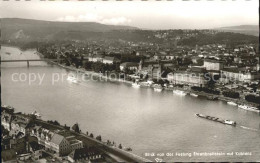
(116, 21)
(89, 17)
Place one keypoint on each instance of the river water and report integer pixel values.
(147, 121)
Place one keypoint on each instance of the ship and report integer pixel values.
(232, 103)
(145, 84)
(136, 85)
(215, 119)
(212, 98)
(72, 79)
(158, 88)
(245, 107)
(179, 92)
(194, 95)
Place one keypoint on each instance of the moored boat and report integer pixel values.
(245, 107)
(179, 92)
(158, 88)
(72, 79)
(212, 98)
(145, 84)
(215, 119)
(194, 95)
(135, 85)
(232, 103)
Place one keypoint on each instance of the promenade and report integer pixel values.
(115, 153)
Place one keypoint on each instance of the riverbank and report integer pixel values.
(17, 47)
(220, 97)
(187, 91)
(114, 151)
(142, 119)
(83, 71)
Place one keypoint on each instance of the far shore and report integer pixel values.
(100, 75)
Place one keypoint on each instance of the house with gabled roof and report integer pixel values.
(59, 144)
(84, 154)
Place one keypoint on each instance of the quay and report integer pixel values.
(119, 153)
(34, 128)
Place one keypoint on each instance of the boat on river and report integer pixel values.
(158, 88)
(179, 92)
(212, 97)
(145, 84)
(72, 79)
(215, 119)
(245, 107)
(136, 85)
(232, 103)
(194, 95)
(8, 53)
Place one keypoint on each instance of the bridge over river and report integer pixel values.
(31, 60)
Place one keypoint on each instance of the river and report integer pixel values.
(147, 121)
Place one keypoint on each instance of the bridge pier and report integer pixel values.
(27, 63)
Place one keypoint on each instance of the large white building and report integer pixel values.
(234, 74)
(213, 64)
(56, 141)
(187, 78)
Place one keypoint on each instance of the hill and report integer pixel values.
(28, 29)
(228, 38)
(244, 29)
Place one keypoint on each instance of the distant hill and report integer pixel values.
(244, 29)
(28, 29)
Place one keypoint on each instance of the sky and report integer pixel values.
(153, 14)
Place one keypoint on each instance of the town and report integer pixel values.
(217, 65)
(207, 63)
(25, 137)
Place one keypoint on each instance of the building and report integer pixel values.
(36, 150)
(129, 66)
(213, 64)
(154, 68)
(8, 155)
(84, 154)
(193, 77)
(95, 58)
(61, 142)
(6, 120)
(21, 124)
(110, 60)
(238, 75)
(103, 59)
(163, 56)
(196, 59)
(74, 143)
(7, 113)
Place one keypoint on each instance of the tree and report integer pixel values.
(66, 127)
(4, 131)
(108, 142)
(75, 128)
(231, 94)
(252, 98)
(99, 137)
(91, 135)
(120, 146)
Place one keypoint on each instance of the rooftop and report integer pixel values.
(57, 138)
